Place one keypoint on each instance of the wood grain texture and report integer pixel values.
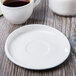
(42, 14)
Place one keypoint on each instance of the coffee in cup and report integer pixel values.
(16, 3)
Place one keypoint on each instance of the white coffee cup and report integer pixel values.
(18, 15)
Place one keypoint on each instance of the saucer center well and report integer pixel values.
(37, 48)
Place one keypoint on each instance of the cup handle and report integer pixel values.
(36, 3)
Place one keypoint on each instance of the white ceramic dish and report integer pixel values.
(37, 47)
(63, 7)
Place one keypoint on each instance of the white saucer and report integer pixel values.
(37, 47)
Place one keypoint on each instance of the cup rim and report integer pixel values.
(16, 7)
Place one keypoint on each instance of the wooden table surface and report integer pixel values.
(41, 15)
